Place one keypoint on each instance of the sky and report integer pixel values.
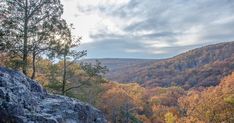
(148, 29)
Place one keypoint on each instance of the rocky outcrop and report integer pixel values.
(23, 100)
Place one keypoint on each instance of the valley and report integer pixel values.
(201, 67)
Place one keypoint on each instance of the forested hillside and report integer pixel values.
(204, 66)
(133, 103)
(130, 102)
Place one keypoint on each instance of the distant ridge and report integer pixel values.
(119, 63)
(204, 66)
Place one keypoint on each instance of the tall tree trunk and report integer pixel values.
(25, 43)
(33, 64)
(64, 74)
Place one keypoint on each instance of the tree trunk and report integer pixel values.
(33, 65)
(64, 74)
(25, 43)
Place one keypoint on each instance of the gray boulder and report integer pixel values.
(23, 100)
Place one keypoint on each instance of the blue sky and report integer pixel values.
(149, 28)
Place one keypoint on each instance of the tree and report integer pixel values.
(212, 105)
(46, 39)
(21, 20)
(65, 50)
(122, 102)
(170, 118)
(85, 81)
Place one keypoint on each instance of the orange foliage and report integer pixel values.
(213, 104)
(120, 97)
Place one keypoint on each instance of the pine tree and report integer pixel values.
(22, 25)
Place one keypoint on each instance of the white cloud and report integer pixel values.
(156, 44)
(158, 52)
(94, 22)
(154, 27)
(133, 50)
(224, 20)
(102, 2)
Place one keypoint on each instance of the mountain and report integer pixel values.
(204, 66)
(115, 64)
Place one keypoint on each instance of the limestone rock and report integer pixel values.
(23, 100)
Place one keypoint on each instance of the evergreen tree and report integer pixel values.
(22, 25)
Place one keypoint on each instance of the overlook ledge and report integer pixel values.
(23, 100)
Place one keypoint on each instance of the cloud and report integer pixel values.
(150, 28)
(130, 48)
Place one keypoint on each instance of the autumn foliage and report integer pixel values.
(132, 103)
(213, 105)
(201, 67)
(169, 105)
